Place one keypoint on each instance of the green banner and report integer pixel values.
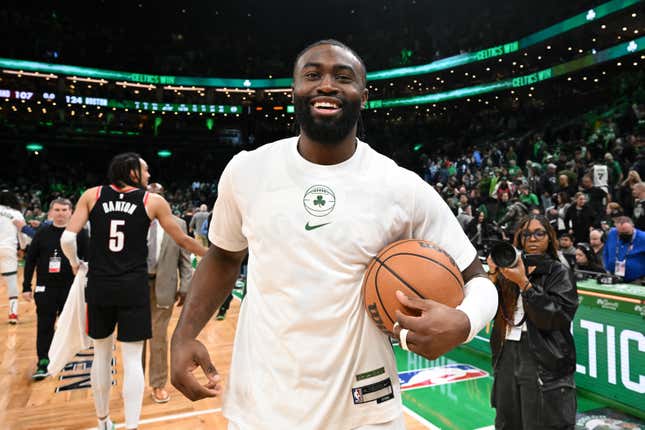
(610, 346)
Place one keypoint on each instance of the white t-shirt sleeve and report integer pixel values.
(434, 221)
(225, 230)
(23, 239)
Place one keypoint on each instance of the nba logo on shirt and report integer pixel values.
(358, 395)
(432, 376)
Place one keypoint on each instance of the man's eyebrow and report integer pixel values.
(344, 67)
(336, 66)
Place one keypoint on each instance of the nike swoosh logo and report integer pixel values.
(313, 227)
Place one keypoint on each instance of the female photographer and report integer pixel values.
(534, 356)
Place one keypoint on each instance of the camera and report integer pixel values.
(504, 254)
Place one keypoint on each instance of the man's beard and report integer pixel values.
(328, 131)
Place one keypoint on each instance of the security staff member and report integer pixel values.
(54, 277)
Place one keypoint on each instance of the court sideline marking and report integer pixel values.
(420, 419)
(170, 417)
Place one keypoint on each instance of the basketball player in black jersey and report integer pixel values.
(117, 292)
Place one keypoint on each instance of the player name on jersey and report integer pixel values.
(119, 206)
(6, 214)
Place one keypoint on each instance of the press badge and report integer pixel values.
(619, 269)
(54, 263)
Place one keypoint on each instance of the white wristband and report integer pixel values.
(68, 245)
(479, 304)
(403, 338)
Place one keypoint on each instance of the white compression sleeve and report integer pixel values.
(12, 285)
(68, 245)
(101, 375)
(479, 304)
(133, 382)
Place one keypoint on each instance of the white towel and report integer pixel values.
(70, 337)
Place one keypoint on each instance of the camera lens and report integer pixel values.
(504, 254)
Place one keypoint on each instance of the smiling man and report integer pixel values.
(317, 208)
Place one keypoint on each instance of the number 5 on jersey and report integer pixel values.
(117, 238)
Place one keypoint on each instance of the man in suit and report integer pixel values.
(167, 264)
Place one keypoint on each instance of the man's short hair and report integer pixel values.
(156, 188)
(61, 201)
(623, 220)
(335, 43)
(600, 232)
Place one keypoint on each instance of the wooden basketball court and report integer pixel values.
(67, 403)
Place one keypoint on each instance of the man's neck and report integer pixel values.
(327, 153)
(123, 188)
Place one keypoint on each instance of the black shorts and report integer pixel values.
(134, 322)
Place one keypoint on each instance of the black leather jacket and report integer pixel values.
(550, 306)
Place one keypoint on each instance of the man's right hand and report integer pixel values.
(185, 357)
(27, 295)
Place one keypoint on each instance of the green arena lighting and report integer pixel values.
(608, 54)
(34, 147)
(557, 29)
(471, 57)
(164, 153)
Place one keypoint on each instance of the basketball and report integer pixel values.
(416, 267)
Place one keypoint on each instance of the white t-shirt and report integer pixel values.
(8, 231)
(306, 354)
(600, 176)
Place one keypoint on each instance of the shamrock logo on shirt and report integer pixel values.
(319, 200)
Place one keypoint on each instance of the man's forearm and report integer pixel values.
(193, 246)
(68, 246)
(30, 267)
(212, 282)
